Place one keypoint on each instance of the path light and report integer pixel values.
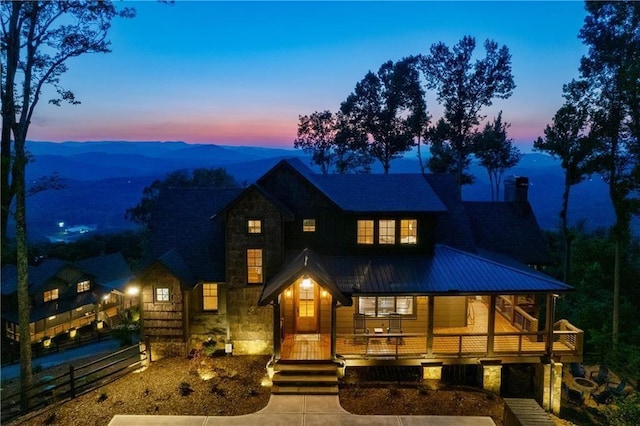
(306, 282)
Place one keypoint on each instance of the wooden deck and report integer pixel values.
(447, 342)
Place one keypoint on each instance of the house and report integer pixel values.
(358, 269)
(66, 296)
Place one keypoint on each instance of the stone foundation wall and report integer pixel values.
(159, 350)
(548, 386)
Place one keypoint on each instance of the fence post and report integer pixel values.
(72, 382)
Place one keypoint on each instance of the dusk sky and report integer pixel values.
(240, 73)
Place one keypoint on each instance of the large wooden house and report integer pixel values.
(359, 269)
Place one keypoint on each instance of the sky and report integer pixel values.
(241, 73)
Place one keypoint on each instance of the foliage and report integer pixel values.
(197, 178)
(185, 388)
(387, 109)
(463, 89)
(38, 39)
(209, 347)
(611, 32)
(496, 153)
(624, 411)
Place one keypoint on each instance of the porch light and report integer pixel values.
(306, 282)
(288, 293)
(324, 293)
(133, 291)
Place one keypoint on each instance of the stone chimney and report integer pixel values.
(516, 189)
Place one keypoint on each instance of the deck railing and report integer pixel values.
(567, 340)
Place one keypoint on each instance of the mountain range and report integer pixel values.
(103, 179)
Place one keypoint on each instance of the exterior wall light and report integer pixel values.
(306, 282)
(133, 291)
(288, 293)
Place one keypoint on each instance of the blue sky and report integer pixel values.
(240, 73)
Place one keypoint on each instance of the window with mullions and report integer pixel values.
(254, 266)
(162, 294)
(83, 286)
(365, 232)
(210, 297)
(51, 295)
(384, 305)
(308, 225)
(386, 232)
(408, 231)
(254, 226)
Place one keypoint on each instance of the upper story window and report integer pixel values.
(387, 232)
(162, 294)
(254, 266)
(408, 231)
(83, 286)
(365, 232)
(51, 295)
(308, 225)
(210, 297)
(254, 226)
(383, 306)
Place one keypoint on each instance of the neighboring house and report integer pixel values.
(359, 269)
(66, 296)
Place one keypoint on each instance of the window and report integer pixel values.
(383, 306)
(365, 232)
(51, 295)
(254, 266)
(162, 294)
(308, 225)
(306, 304)
(387, 232)
(254, 226)
(210, 297)
(83, 286)
(408, 231)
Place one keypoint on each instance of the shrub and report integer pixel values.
(185, 388)
(209, 347)
(102, 397)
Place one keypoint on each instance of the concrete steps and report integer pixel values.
(305, 379)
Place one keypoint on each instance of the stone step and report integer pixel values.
(304, 390)
(313, 380)
(306, 368)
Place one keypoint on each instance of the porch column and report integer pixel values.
(277, 329)
(333, 327)
(491, 376)
(430, 316)
(550, 319)
(548, 385)
(491, 324)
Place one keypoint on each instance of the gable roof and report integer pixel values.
(367, 193)
(305, 263)
(110, 270)
(186, 220)
(502, 228)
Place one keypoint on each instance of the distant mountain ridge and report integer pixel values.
(106, 178)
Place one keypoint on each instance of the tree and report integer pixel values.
(568, 139)
(464, 89)
(198, 178)
(496, 153)
(443, 157)
(387, 108)
(317, 137)
(612, 33)
(38, 39)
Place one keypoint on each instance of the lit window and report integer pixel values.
(254, 226)
(308, 225)
(387, 232)
(162, 294)
(51, 295)
(365, 232)
(306, 304)
(383, 306)
(210, 297)
(254, 266)
(408, 231)
(83, 286)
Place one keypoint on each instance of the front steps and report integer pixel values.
(302, 378)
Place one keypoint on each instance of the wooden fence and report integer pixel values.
(78, 380)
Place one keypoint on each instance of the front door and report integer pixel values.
(307, 307)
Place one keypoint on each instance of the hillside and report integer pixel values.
(105, 178)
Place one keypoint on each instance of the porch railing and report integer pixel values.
(567, 341)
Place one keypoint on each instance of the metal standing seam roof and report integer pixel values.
(448, 271)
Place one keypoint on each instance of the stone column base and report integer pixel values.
(492, 377)
(431, 375)
(548, 386)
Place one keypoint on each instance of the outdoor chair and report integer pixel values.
(359, 328)
(618, 388)
(395, 325)
(577, 370)
(602, 376)
(603, 397)
(575, 396)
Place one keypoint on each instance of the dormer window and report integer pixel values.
(254, 226)
(365, 232)
(51, 295)
(83, 286)
(387, 232)
(308, 225)
(408, 231)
